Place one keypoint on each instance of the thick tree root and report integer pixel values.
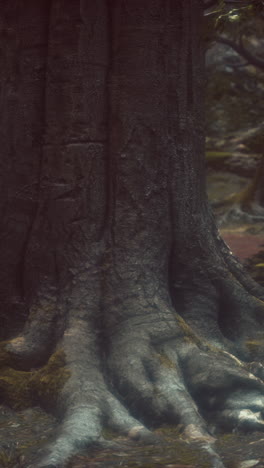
(86, 403)
(160, 382)
(217, 297)
(154, 368)
(35, 345)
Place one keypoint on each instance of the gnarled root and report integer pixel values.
(141, 370)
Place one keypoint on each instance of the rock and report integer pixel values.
(248, 463)
(233, 162)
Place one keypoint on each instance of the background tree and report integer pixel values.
(137, 310)
(235, 93)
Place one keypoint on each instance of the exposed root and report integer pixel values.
(34, 346)
(169, 381)
(156, 368)
(239, 272)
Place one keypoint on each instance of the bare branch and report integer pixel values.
(240, 49)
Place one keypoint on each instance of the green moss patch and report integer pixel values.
(165, 361)
(21, 389)
(48, 381)
(15, 389)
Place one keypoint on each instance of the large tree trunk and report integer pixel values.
(136, 306)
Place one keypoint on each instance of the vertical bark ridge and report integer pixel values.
(139, 126)
(23, 68)
(196, 262)
(65, 249)
(72, 196)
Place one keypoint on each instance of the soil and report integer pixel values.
(243, 241)
(173, 452)
(24, 434)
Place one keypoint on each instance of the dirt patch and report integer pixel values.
(23, 435)
(236, 451)
(243, 245)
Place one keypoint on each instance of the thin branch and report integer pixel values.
(240, 49)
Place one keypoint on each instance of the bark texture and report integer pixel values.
(137, 312)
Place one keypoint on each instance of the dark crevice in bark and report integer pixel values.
(26, 195)
(43, 119)
(110, 171)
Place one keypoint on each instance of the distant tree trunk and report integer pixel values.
(135, 304)
(248, 204)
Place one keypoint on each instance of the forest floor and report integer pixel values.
(23, 434)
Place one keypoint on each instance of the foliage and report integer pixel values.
(235, 15)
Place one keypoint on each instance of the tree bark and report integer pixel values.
(135, 303)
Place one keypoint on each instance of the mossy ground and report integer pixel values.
(173, 451)
(22, 434)
(20, 389)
